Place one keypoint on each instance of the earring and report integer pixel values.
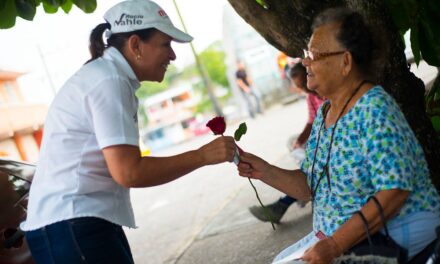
(138, 57)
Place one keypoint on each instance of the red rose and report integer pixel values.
(217, 125)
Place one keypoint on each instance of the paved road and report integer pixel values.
(176, 218)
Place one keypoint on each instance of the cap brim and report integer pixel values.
(176, 34)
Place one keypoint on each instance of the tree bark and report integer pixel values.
(287, 26)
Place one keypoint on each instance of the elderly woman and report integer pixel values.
(360, 146)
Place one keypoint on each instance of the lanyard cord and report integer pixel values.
(325, 110)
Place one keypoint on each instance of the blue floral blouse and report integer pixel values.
(373, 149)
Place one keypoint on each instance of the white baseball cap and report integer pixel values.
(135, 15)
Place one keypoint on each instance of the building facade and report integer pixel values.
(171, 117)
(21, 123)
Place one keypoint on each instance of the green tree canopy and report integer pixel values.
(150, 88)
(213, 58)
(26, 9)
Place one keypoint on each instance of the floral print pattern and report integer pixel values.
(373, 149)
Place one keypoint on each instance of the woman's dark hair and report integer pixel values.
(296, 70)
(117, 40)
(354, 34)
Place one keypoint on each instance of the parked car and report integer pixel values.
(15, 181)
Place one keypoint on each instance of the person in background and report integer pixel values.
(90, 157)
(298, 76)
(244, 83)
(361, 146)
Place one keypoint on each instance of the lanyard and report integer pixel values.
(326, 170)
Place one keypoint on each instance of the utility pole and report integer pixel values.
(206, 81)
(46, 70)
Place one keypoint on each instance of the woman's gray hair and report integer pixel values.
(354, 34)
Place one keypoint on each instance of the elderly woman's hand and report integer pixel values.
(252, 166)
(323, 252)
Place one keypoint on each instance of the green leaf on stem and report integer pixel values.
(266, 212)
(241, 130)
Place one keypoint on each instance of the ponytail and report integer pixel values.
(97, 45)
(117, 40)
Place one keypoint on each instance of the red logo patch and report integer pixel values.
(162, 13)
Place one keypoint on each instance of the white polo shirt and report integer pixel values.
(96, 108)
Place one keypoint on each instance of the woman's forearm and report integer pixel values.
(129, 169)
(290, 182)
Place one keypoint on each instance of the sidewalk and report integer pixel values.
(235, 236)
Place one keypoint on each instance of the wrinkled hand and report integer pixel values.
(219, 150)
(252, 166)
(323, 252)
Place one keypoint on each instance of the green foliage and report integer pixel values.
(421, 18)
(214, 60)
(8, 14)
(150, 88)
(204, 106)
(87, 6)
(241, 130)
(262, 3)
(26, 9)
(433, 105)
(436, 123)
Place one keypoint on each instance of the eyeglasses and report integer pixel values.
(316, 56)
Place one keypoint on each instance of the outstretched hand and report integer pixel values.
(252, 166)
(219, 150)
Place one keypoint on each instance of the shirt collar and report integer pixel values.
(121, 63)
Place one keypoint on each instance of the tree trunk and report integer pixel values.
(286, 26)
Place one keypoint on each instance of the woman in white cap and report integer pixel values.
(90, 157)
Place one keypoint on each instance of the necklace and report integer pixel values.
(325, 170)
